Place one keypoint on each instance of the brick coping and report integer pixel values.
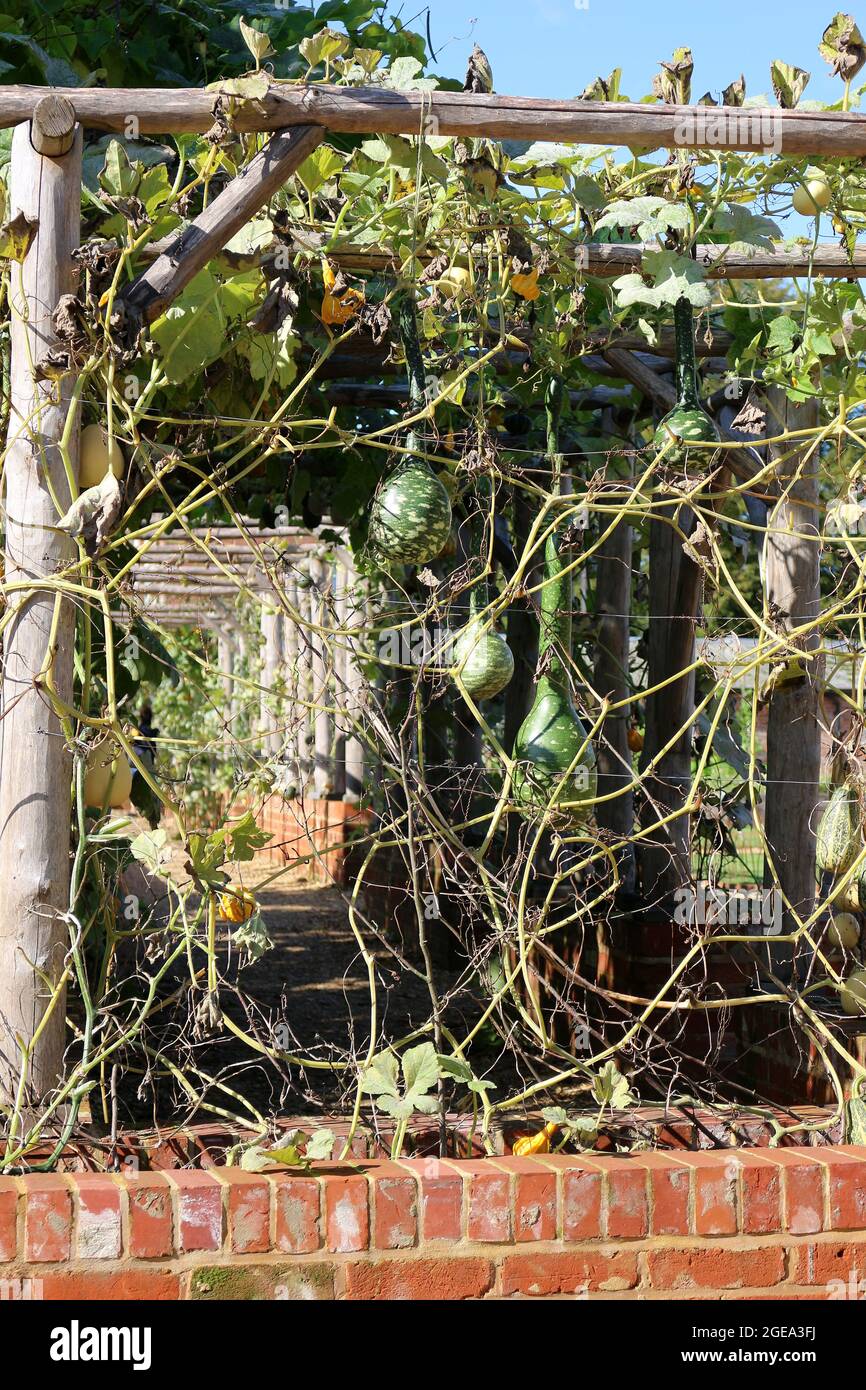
(780, 1223)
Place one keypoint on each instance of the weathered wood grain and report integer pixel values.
(167, 110)
(155, 289)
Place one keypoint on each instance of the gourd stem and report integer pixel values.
(407, 325)
(554, 637)
(685, 369)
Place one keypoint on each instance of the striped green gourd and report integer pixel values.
(554, 761)
(482, 657)
(410, 519)
(686, 422)
(838, 837)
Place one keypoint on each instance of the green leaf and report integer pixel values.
(420, 1070)
(650, 217)
(320, 1144)
(253, 937)
(675, 277)
(611, 1088)
(855, 1121)
(206, 856)
(119, 178)
(404, 156)
(784, 332)
(149, 849)
(191, 332)
(319, 167)
(380, 1077)
(258, 43)
(245, 837)
(789, 83)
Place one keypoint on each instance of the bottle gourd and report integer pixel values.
(686, 423)
(554, 760)
(410, 519)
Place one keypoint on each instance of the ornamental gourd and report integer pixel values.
(96, 455)
(838, 839)
(554, 759)
(852, 996)
(483, 661)
(843, 932)
(410, 519)
(686, 423)
(236, 903)
(107, 776)
(482, 657)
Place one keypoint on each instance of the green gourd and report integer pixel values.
(686, 422)
(554, 761)
(838, 839)
(481, 655)
(410, 519)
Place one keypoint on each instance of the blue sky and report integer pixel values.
(552, 48)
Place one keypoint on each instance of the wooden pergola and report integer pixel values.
(46, 168)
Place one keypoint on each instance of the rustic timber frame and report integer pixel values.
(42, 459)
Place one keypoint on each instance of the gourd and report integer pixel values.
(536, 1143)
(843, 931)
(838, 839)
(96, 455)
(554, 760)
(107, 776)
(410, 519)
(236, 903)
(812, 197)
(852, 995)
(686, 423)
(482, 658)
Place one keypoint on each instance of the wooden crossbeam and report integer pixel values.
(384, 110)
(196, 244)
(608, 260)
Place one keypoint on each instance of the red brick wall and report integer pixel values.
(739, 1223)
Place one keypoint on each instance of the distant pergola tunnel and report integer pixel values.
(300, 685)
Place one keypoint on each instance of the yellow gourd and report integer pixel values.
(536, 1143)
(843, 931)
(96, 457)
(853, 993)
(236, 903)
(107, 776)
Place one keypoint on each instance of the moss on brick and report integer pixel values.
(244, 1283)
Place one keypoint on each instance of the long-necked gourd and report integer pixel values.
(482, 657)
(554, 759)
(686, 423)
(410, 519)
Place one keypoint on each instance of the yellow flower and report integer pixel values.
(526, 285)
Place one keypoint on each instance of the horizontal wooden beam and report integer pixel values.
(367, 110)
(608, 260)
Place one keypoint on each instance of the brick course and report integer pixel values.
(729, 1223)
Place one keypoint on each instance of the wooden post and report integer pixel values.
(320, 574)
(272, 633)
(35, 762)
(357, 600)
(793, 595)
(612, 608)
